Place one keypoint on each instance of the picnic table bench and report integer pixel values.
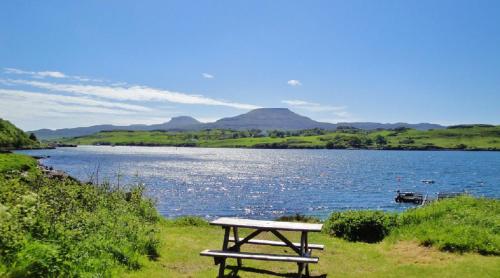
(303, 249)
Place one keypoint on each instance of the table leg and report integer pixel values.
(236, 239)
(307, 251)
(222, 266)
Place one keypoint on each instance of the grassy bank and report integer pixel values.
(460, 138)
(62, 228)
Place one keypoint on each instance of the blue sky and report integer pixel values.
(67, 64)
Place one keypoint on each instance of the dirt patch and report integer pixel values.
(409, 252)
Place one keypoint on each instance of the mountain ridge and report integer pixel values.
(261, 118)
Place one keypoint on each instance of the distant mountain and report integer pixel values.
(181, 122)
(270, 118)
(262, 118)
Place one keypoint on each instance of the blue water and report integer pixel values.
(265, 184)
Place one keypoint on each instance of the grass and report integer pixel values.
(181, 246)
(464, 138)
(463, 224)
(10, 162)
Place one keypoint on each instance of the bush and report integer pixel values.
(189, 221)
(62, 228)
(366, 226)
(299, 218)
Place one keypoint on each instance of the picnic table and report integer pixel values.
(302, 249)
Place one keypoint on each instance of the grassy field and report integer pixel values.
(182, 244)
(462, 138)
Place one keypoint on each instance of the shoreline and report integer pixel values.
(283, 148)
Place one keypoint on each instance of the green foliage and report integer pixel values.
(458, 224)
(357, 225)
(12, 137)
(188, 221)
(461, 224)
(299, 218)
(52, 228)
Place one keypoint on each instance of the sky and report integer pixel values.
(80, 63)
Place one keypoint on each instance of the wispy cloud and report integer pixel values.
(208, 75)
(72, 101)
(313, 106)
(50, 74)
(294, 82)
(128, 93)
(337, 111)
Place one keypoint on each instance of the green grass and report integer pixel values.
(462, 224)
(466, 138)
(62, 228)
(10, 162)
(181, 246)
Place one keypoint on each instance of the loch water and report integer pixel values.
(266, 184)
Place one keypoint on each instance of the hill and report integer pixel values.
(12, 137)
(458, 138)
(263, 119)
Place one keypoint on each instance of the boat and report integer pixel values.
(428, 181)
(409, 197)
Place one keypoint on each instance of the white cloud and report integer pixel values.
(33, 110)
(50, 74)
(294, 82)
(129, 93)
(68, 100)
(207, 75)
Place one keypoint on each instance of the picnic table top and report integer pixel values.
(265, 224)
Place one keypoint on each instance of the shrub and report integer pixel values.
(299, 218)
(367, 226)
(189, 221)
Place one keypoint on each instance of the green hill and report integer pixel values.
(12, 137)
(465, 137)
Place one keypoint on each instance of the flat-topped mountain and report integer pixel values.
(270, 118)
(262, 118)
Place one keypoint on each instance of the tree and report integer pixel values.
(33, 137)
(380, 140)
(355, 142)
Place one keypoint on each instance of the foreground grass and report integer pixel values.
(181, 246)
(462, 138)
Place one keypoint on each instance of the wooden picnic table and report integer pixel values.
(302, 249)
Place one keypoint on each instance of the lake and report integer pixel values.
(266, 184)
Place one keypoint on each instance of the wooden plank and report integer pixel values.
(259, 256)
(278, 243)
(267, 225)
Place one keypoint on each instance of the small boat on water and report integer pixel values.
(428, 181)
(409, 197)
